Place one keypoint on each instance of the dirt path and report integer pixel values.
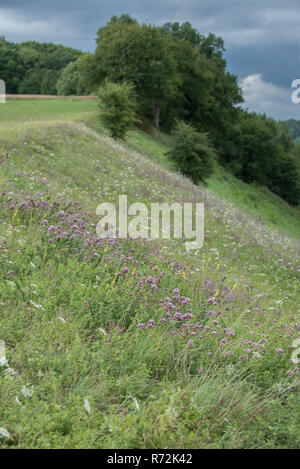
(46, 96)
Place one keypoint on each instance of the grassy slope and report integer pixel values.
(146, 388)
(254, 200)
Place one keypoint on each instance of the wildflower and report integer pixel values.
(190, 342)
(37, 306)
(87, 406)
(136, 403)
(4, 433)
(279, 350)
(27, 392)
(211, 301)
(3, 361)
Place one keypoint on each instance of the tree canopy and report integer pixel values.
(32, 67)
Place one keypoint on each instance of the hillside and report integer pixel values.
(82, 371)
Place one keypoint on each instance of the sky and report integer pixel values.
(262, 37)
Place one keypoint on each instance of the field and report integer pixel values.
(129, 343)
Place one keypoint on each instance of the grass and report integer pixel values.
(254, 200)
(26, 112)
(86, 366)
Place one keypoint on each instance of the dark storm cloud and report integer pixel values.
(262, 37)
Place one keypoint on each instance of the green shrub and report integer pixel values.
(118, 107)
(192, 152)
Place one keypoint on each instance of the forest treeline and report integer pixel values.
(32, 67)
(178, 75)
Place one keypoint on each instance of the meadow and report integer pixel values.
(130, 343)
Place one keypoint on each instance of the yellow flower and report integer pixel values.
(183, 274)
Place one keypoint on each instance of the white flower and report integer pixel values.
(137, 405)
(87, 406)
(10, 372)
(4, 433)
(3, 361)
(103, 331)
(37, 306)
(27, 392)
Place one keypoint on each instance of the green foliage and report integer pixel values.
(141, 55)
(260, 154)
(294, 127)
(192, 152)
(177, 73)
(87, 70)
(49, 79)
(70, 81)
(32, 67)
(118, 106)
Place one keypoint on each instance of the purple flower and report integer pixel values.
(211, 301)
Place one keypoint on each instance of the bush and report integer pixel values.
(192, 152)
(118, 108)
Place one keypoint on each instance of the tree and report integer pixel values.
(262, 157)
(70, 81)
(141, 55)
(31, 83)
(192, 152)
(48, 85)
(117, 104)
(207, 94)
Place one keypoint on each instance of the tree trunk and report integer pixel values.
(156, 112)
